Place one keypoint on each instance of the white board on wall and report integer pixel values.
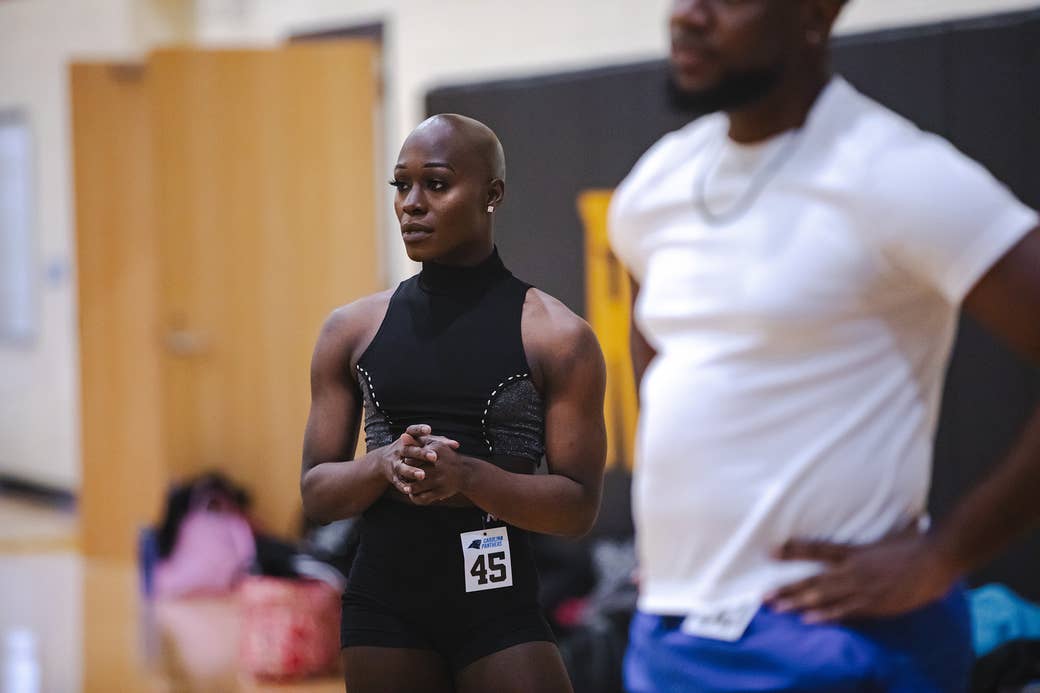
(18, 318)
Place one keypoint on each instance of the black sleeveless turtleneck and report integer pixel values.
(449, 353)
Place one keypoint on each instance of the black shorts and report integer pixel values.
(407, 589)
(372, 625)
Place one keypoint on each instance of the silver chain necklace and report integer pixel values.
(754, 189)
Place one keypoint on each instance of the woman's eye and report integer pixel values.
(399, 184)
(436, 185)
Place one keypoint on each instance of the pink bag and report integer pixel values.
(214, 550)
(290, 628)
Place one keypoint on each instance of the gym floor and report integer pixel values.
(70, 624)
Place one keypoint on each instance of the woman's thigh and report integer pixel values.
(393, 670)
(529, 666)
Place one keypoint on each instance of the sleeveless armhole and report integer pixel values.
(376, 422)
(382, 323)
(527, 288)
(513, 421)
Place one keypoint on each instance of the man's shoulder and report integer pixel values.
(674, 147)
(654, 175)
(696, 131)
(873, 149)
(864, 126)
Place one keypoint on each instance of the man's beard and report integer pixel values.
(734, 91)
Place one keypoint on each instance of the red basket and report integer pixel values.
(290, 628)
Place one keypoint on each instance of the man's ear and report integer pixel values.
(818, 18)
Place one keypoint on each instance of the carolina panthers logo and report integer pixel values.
(475, 544)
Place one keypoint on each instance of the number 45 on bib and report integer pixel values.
(485, 559)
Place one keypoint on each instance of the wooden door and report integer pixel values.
(266, 222)
(117, 262)
(225, 203)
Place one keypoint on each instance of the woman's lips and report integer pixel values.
(413, 232)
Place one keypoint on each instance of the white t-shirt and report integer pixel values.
(801, 344)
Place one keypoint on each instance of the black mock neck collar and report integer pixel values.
(442, 279)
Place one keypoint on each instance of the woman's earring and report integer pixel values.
(491, 209)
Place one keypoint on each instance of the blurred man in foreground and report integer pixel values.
(799, 257)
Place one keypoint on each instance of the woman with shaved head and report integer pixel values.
(467, 376)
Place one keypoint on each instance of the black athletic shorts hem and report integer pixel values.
(364, 626)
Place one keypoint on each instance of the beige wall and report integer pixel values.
(38, 401)
(39, 436)
(427, 44)
(874, 14)
(430, 44)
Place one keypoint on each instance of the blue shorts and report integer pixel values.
(925, 651)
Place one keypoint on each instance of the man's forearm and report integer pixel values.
(544, 503)
(1000, 509)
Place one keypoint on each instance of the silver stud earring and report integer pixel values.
(491, 209)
